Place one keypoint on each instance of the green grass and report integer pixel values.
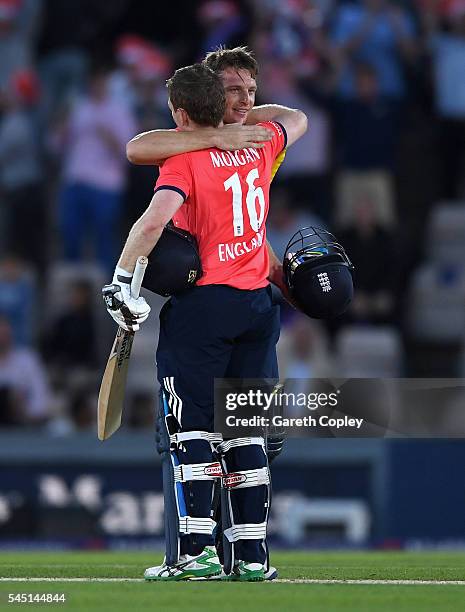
(235, 597)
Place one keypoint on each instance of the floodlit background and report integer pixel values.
(382, 166)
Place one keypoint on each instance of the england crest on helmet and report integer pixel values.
(318, 273)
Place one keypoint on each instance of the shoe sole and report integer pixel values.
(251, 579)
(187, 576)
(243, 578)
(268, 578)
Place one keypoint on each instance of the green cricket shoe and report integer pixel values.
(204, 565)
(271, 574)
(246, 572)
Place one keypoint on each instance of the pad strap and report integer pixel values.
(193, 524)
(246, 531)
(228, 444)
(246, 478)
(196, 435)
(197, 471)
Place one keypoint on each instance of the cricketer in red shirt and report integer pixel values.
(226, 202)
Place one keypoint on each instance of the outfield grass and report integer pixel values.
(132, 596)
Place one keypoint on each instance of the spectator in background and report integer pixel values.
(367, 134)
(303, 353)
(223, 24)
(82, 410)
(372, 250)
(18, 298)
(142, 68)
(284, 220)
(77, 414)
(375, 31)
(448, 56)
(304, 171)
(24, 396)
(72, 32)
(18, 20)
(72, 340)
(21, 187)
(290, 28)
(140, 79)
(150, 92)
(291, 48)
(94, 177)
(141, 410)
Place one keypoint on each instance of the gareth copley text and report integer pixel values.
(307, 421)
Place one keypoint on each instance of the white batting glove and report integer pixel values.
(128, 312)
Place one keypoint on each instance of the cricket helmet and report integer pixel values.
(318, 273)
(174, 263)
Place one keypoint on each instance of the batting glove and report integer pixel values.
(128, 312)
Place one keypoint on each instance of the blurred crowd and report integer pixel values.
(382, 166)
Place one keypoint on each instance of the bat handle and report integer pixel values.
(138, 276)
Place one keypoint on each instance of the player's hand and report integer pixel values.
(129, 312)
(276, 277)
(287, 294)
(236, 136)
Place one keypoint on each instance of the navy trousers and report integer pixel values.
(215, 331)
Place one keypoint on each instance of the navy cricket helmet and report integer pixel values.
(318, 273)
(174, 263)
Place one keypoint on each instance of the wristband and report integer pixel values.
(123, 276)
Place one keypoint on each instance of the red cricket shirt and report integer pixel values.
(226, 202)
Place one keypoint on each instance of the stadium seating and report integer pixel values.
(369, 352)
(436, 303)
(445, 236)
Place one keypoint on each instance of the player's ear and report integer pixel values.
(182, 118)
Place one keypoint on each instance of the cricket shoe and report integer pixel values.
(204, 565)
(271, 574)
(246, 572)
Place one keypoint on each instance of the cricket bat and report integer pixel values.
(112, 389)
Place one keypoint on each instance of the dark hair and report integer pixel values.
(200, 92)
(239, 58)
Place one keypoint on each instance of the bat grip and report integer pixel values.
(138, 276)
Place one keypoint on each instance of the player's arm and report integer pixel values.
(294, 121)
(295, 124)
(153, 147)
(273, 112)
(126, 309)
(147, 230)
(276, 274)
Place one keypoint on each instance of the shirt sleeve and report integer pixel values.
(279, 141)
(176, 174)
